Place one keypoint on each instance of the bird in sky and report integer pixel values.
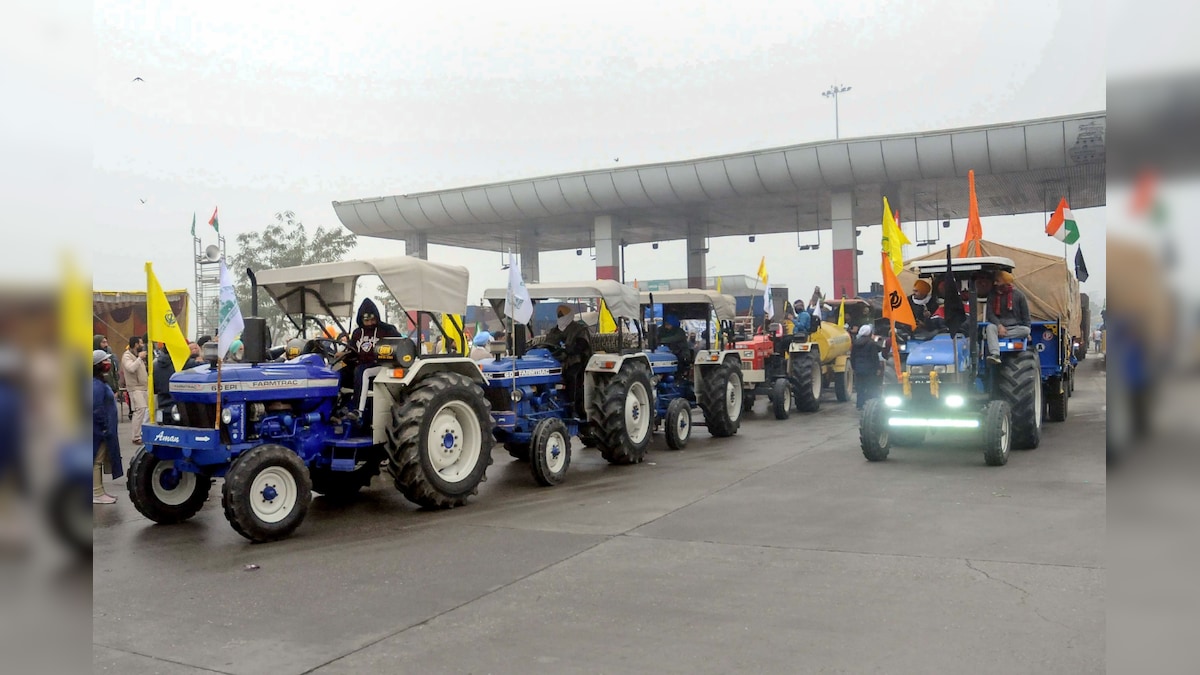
(138, 79)
(616, 159)
(142, 200)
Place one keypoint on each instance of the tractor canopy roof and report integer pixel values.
(724, 305)
(418, 285)
(936, 266)
(622, 300)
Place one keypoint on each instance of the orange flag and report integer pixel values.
(895, 306)
(974, 227)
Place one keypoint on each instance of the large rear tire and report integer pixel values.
(1057, 395)
(873, 431)
(266, 493)
(679, 423)
(805, 373)
(721, 400)
(162, 493)
(781, 398)
(1020, 384)
(439, 441)
(550, 452)
(997, 433)
(623, 412)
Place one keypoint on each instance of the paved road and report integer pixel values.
(779, 550)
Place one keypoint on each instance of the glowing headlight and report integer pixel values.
(227, 416)
(893, 401)
(955, 401)
(175, 416)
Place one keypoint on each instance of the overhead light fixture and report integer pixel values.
(946, 224)
(751, 239)
(578, 251)
(654, 246)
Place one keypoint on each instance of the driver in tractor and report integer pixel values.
(571, 345)
(675, 339)
(363, 340)
(1007, 314)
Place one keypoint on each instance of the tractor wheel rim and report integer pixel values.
(685, 425)
(1038, 405)
(171, 487)
(454, 442)
(273, 494)
(637, 422)
(733, 398)
(1005, 435)
(556, 452)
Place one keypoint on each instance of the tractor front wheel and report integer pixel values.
(679, 423)
(550, 452)
(163, 493)
(873, 431)
(266, 493)
(781, 398)
(997, 433)
(805, 372)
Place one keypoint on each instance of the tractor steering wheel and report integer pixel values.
(331, 350)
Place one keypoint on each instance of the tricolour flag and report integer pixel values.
(521, 309)
(160, 321)
(213, 221)
(229, 318)
(1062, 224)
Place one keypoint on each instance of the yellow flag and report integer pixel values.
(607, 323)
(451, 327)
(842, 314)
(718, 284)
(893, 239)
(75, 332)
(762, 269)
(161, 323)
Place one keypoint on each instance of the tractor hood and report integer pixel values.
(938, 351)
(304, 377)
(662, 361)
(536, 367)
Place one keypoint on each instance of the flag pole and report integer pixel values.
(152, 407)
(217, 422)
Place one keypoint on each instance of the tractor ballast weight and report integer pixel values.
(948, 383)
(713, 379)
(280, 431)
(534, 418)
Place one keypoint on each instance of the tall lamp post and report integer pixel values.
(832, 93)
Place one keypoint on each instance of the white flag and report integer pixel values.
(768, 306)
(229, 323)
(521, 307)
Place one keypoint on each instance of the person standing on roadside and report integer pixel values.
(133, 366)
(106, 444)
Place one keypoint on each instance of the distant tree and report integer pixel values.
(284, 243)
(390, 308)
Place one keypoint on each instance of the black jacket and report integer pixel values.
(363, 341)
(164, 368)
(864, 355)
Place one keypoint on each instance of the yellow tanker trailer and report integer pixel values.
(822, 360)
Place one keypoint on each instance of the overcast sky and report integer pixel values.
(270, 106)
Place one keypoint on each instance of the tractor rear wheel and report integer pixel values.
(781, 398)
(873, 431)
(747, 402)
(163, 493)
(550, 452)
(1057, 394)
(679, 423)
(805, 373)
(439, 441)
(624, 414)
(721, 400)
(266, 493)
(997, 433)
(1020, 384)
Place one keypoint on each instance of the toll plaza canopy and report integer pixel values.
(1020, 167)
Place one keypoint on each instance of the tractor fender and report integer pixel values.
(603, 366)
(387, 389)
(707, 360)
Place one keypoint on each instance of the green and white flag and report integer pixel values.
(229, 323)
(1062, 224)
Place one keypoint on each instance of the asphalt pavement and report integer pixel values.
(780, 550)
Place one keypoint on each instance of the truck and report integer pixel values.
(278, 431)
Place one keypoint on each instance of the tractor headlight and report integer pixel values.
(517, 395)
(227, 416)
(892, 401)
(917, 370)
(955, 401)
(175, 416)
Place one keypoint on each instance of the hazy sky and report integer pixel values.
(270, 106)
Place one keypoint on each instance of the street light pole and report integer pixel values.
(833, 92)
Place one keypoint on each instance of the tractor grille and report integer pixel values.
(499, 397)
(202, 416)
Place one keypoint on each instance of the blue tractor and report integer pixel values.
(948, 383)
(539, 403)
(277, 431)
(707, 376)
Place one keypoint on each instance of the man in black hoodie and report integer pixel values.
(366, 335)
